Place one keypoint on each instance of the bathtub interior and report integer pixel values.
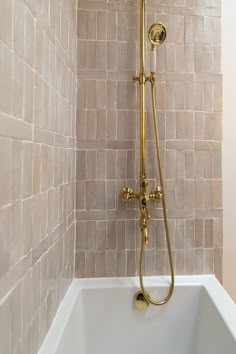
(104, 320)
(115, 326)
(189, 323)
(212, 334)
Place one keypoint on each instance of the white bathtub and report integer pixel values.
(97, 316)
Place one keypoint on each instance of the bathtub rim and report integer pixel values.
(216, 292)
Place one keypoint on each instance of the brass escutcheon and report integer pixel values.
(140, 302)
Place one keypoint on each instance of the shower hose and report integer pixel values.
(171, 289)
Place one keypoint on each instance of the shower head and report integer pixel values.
(157, 33)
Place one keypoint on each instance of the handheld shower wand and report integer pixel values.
(156, 35)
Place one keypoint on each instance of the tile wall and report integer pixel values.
(38, 51)
(189, 101)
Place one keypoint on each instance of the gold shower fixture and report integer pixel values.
(157, 35)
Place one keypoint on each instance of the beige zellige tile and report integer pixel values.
(90, 57)
(111, 25)
(28, 94)
(217, 129)
(179, 28)
(180, 57)
(199, 261)
(29, 43)
(89, 264)
(199, 233)
(189, 164)
(121, 263)
(208, 97)
(90, 195)
(208, 194)
(179, 261)
(100, 264)
(6, 22)
(91, 124)
(208, 261)
(208, 30)
(101, 124)
(111, 264)
(6, 170)
(170, 125)
(208, 164)
(16, 239)
(199, 98)
(5, 325)
(179, 96)
(38, 45)
(189, 96)
(208, 232)
(189, 264)
(100, 235)
(18, 86)
(80, 264)
(199, 29)
(179, 235)
(217, 233)
(217, 194)
(5, 231)
(101, 25)
(217, 97)
(37, 165)
(199, 196)
(199, 164)
(217, 164)
(199, 58)
(6, 84)
(216, 30)
(19, 27)
(17, 157)
(189, 197)
(27, 302)
(218, 254)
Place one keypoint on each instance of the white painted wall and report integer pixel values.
(229, 144)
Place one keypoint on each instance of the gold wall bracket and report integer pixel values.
(142, 78)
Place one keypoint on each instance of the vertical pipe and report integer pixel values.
(142, 92)
(142, 35)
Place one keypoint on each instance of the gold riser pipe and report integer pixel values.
(142, 96)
